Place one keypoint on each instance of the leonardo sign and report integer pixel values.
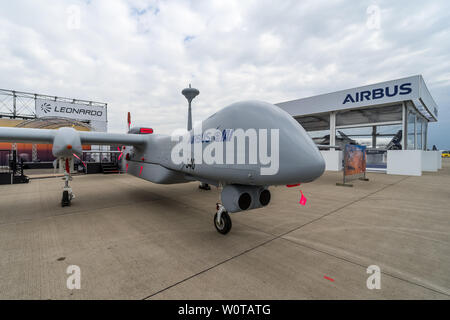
(50, 108)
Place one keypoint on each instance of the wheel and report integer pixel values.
(204, 186)
(225, 223)
(65, 199)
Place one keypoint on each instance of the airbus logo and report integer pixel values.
(378, 93)
(45, 107)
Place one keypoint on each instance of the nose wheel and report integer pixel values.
(67, 195)
(222, 220)
(66, 198)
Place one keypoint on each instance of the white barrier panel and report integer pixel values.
(404, 162)
(333, 159)
(439, 159)
(429, 162)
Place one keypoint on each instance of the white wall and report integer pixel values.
(401, 162)
(439, 159)
(404, 162)
(333, 159)
(430, 161)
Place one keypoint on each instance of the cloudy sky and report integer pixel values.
(138, 55)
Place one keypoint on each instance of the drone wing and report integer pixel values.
(26, 135)
(112, 138)
(67, 141)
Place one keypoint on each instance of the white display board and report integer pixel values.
(96, 115)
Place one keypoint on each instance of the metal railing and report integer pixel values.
(101, 156)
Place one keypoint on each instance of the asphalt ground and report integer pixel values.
(133, 239)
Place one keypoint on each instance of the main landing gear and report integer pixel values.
(204, 186)
(222, 220)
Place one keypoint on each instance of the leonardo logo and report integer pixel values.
(46, 107)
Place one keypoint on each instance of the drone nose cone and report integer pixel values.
(313, 158)
(66, 143)
(316, 164)
(307, 163)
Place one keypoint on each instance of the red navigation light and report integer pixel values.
(292, 185)
(146, 131)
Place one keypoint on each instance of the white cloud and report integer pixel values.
(138, 55)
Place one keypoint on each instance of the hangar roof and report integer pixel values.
(379, 94)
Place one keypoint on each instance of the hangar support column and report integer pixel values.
(374, 136)
(332, 129)
(404, 128)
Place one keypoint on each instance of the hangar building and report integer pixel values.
(391, 118)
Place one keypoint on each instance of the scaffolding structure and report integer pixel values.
(21, 105)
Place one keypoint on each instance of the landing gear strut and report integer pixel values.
(67, 195)
(222, 220)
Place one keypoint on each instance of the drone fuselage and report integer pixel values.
(245, 148)
(296, 156)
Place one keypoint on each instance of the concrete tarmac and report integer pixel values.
(133, 239)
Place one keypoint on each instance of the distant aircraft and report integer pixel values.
(151, 156)
(342, 139)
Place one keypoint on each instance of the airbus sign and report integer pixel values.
(50, 108)
(379, 93)
(398, 91)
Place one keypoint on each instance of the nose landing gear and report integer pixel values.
(222, 220)
(67, 195)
